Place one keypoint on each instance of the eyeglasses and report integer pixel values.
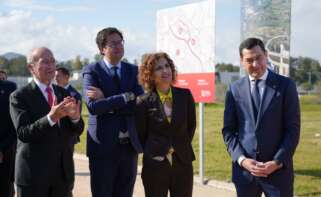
(49, 61)
(114, 44)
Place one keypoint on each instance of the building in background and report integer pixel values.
(269, 20)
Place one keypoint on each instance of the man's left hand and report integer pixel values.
(72, 108)
(268, 167)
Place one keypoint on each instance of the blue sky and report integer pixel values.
(69, 27)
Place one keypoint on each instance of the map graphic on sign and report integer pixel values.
(187, 34)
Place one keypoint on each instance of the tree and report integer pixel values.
(223, 67)
(125, 60)
(305, 70)
(85, 62)
(77, 64)
(18, 66)
(98, 57)
(3, 63)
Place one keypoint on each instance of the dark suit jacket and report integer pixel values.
(42, 150)
(74, 93)
(7, 131)
(157, 135)
(273, 137)
(106, 115)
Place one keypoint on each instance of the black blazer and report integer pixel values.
(7, 132)
(42, 151)
(157, 135)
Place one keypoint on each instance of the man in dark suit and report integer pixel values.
(46, 117)
(8, 141)
(62, 78)
(261, 126)
(111, 86)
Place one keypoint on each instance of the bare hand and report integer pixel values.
(72, 107)
(1, 157)
(94, 93)
(254, 167)
(269, 167)
(58, 111)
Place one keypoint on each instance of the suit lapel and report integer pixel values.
(124, 74)
(175, 105)
(106, 78)
(37, 97)
(58, 94)
(245, 88)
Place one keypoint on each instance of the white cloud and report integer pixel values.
(30, 5)
(17, 3)
(20, 32)
(138, 43)
(58, 9)
(306, 29)
(227, 42)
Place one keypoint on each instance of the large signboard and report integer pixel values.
(269, 20)
(187, 34)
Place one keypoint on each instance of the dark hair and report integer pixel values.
(102, 37)
(249, 43)
(64, 70)
(147, 69)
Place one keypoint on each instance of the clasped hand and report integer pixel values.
(260, 169)
(68, 107)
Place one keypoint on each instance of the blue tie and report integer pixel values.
(115, 77)
(256, 96)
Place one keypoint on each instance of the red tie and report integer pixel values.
(50, 98)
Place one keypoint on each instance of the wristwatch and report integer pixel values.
(129, 96)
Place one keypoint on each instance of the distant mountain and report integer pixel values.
(12, 55)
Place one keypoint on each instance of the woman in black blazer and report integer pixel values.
(166, 124)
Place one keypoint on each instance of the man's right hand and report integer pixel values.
(94, 93)
(254, 167)
(58, 111)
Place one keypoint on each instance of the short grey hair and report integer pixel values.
(32, 57)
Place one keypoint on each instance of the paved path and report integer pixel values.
(82, 184)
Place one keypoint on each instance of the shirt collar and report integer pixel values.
(163, 96)
(263, 77)
(109, 65)
(41, 85)
(67, 86)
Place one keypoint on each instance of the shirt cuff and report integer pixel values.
(125, 98)
(240, 159)
(75, 121)
(51, 123)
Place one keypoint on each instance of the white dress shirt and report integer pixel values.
(261, 90)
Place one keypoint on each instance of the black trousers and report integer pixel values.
(56, 186)
(159, 178)
(114, 177)
(7, 173)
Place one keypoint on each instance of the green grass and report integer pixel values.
(307, 159)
